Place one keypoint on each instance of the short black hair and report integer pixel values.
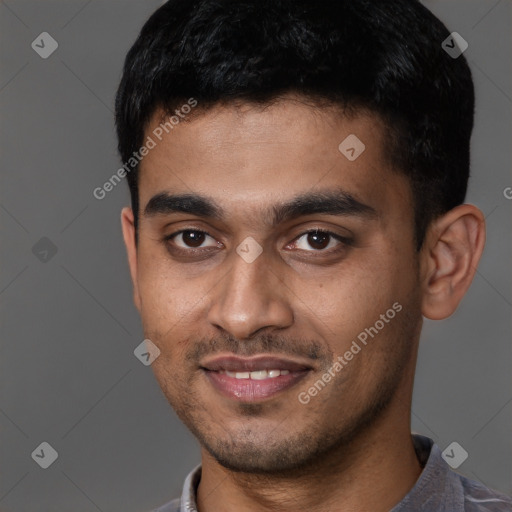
(381, 56)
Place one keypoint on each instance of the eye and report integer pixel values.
(320, 241)
(187, 239)
(191, 241)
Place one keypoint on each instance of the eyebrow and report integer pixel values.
(327, 202)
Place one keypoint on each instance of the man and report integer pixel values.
(297, 173)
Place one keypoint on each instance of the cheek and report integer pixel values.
(350, 293)
(345, 303)
(171, 309)
(163, 293)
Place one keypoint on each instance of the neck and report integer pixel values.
(372, 472)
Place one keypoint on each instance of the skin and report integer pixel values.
(351, 443)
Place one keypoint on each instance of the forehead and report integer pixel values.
(249, 156)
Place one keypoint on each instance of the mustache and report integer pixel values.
(265, 343)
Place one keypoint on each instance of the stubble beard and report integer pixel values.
(282, 451)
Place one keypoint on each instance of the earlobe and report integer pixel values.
(128, 227)
(449, 258)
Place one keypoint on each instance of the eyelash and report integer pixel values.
(344, 242)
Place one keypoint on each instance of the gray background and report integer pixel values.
(68, 324)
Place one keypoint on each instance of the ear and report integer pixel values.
(453, 247)
(129, 241)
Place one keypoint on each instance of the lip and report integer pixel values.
(251, 364)
(249, 390)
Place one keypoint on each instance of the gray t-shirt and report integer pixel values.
(438, 489)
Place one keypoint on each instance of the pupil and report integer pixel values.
(313, 240)
(193, 238)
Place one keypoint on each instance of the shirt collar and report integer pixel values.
(438, 488)
(189, 493)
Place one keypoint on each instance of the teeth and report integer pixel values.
(259, 375)
(256, 375)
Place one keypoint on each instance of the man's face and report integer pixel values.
(285, 300)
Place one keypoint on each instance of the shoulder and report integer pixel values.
(479, 498)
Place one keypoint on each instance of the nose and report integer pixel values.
(251, 297)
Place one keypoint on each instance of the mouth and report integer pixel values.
(253, 379)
